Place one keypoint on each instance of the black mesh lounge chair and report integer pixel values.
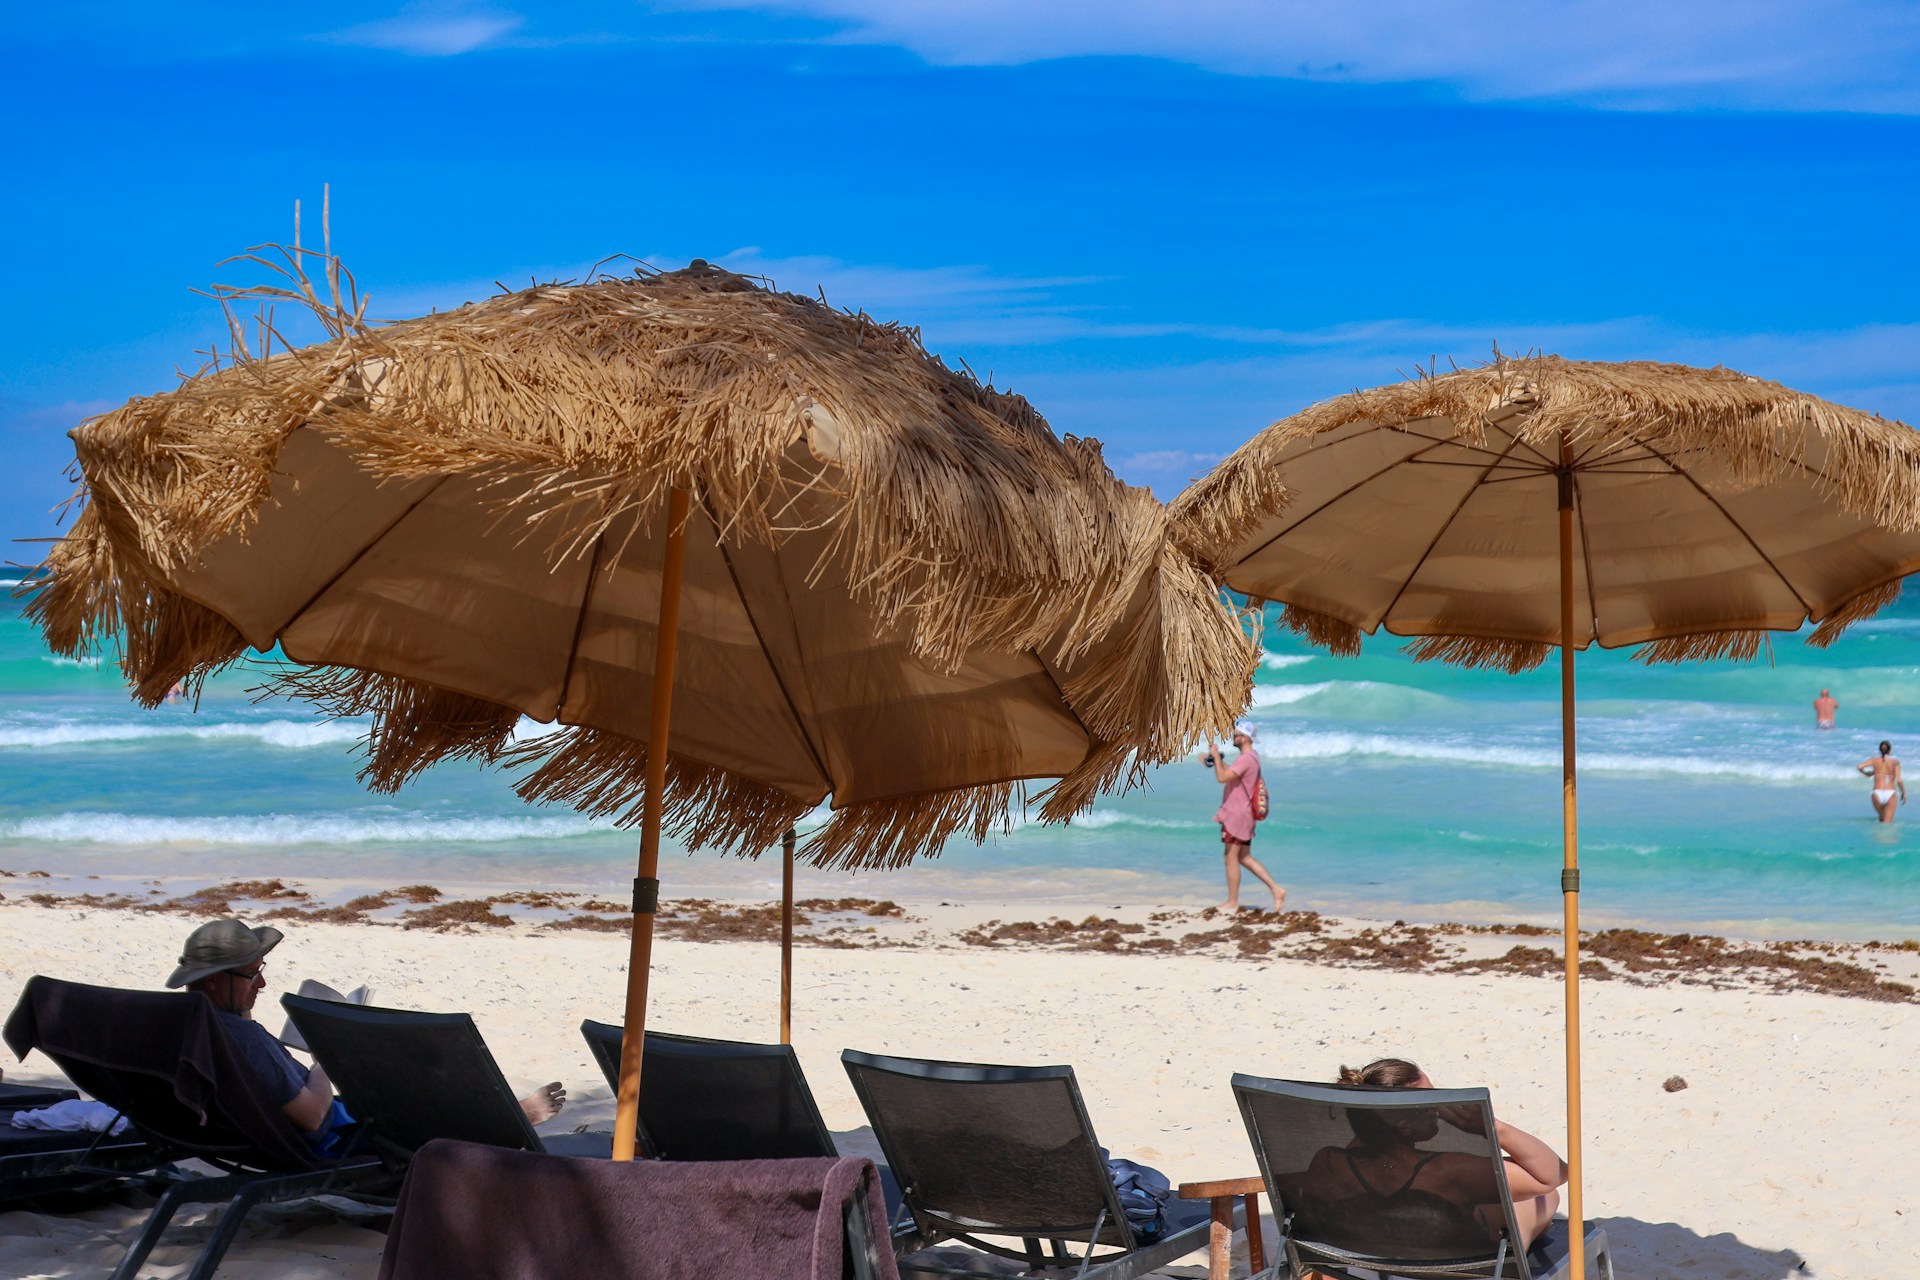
(818, 1219)
(409, 1078)
(1301, 1135)
(989, 1155)
(166, 1062)
(36, 1163)
(717, 1099)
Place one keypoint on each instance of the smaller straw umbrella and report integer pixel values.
(828, 565)
(1498, 512)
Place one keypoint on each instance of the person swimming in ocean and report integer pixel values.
(1384, 1176)
(1887, 782)
(1823, 708)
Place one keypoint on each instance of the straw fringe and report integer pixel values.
(414, 724)
(1336, 636)
(1740, 646)
(1510, 656)
(1858, 609)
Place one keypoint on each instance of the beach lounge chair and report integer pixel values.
(166, 1062)
(818, 1219)
(1390, 1231)
(717, 1099)
(35, 1162)
(991, 1155)
(411, 1077)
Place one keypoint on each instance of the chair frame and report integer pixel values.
(1506, 1262)
(928, 1227)
(604, 1040)
(304, 1008)
(244, 1181)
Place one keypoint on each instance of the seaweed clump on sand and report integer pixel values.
(1713, 961)
(462, 913)
(1092, 934)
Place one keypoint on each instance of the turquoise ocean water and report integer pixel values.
(1708, 800)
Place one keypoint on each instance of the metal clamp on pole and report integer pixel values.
(1570, 880)
(646, 895)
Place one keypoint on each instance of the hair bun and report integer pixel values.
(1348, 1076)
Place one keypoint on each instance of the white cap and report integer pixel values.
(1245, 728)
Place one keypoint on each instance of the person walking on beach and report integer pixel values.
(1823, 708)
(1887, 782)
(1235, 815)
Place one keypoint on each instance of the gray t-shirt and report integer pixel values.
(278, 1072)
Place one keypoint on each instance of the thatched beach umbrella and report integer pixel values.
(1496, 513)
(887, 585)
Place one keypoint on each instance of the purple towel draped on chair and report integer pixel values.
(484, 1213)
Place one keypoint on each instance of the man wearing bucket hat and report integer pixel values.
(1236, 817)
(225, 960)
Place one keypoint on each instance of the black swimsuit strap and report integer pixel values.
(1361, 1178)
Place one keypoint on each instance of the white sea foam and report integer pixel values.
(1281, 661)
(1280, 695)
(1103, 818)
(293, 829)
(58, 661)
(1328, 746)
(290, 735)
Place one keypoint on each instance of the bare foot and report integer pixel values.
(1229, 907)
(1279, 901)
(544, 1103)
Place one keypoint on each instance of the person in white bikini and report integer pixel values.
(1887, 782)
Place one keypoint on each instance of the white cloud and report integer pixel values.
(430, 35)
(1847, 55)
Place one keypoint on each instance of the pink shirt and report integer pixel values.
(1236, 802)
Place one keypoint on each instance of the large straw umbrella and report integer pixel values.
(1498, 512)
(887, 584)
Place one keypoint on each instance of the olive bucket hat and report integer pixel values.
(222, 944)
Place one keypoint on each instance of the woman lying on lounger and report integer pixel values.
(1383, 1183)
(225, 961)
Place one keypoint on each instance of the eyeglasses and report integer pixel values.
(256, 974)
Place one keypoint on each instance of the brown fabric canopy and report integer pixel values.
(1712, 508)
(903, 592)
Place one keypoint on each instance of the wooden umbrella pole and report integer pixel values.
(786, 936)
(646, 886)
(1570, 869)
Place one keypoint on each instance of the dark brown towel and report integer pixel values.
(108, 1042)
(484, 1213)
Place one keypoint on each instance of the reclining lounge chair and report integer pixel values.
(410, 1078)
(165, 1061)
(717, 1099)
(988, 1155)
(1430, 1232)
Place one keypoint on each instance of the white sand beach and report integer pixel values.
(1785, 1155)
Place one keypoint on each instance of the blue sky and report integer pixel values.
(1166, 224)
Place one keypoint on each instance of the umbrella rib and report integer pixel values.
(580, 622)
(1586, 560)
(1739, 528)
(1513, 439)
(359, 555)
(1352, 488)
(779, 681)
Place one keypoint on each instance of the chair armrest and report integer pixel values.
(1222, 1187)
